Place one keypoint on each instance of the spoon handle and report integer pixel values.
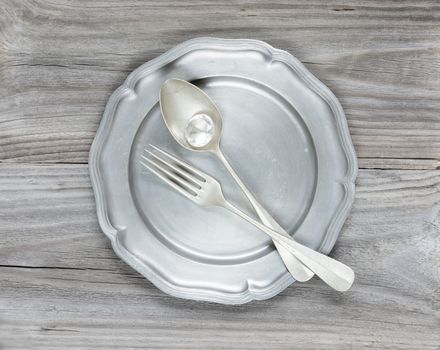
(296, 268)
(336, 274)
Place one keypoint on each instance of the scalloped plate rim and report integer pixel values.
(127, 88)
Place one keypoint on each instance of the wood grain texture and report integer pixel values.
(60, 61)
(62, 286)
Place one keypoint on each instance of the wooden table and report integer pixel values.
(61, 285)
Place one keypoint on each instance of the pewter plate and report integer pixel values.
(284, 132)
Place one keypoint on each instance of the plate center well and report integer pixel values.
(269, 146)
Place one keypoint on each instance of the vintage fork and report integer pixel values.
(206, 191)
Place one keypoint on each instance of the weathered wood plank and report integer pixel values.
(398, 163)
(62, 286)
(60, 61)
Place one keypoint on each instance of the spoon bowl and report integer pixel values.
(188, 111)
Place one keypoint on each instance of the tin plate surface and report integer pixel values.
(284, 132)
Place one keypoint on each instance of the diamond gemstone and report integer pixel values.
(199, 130)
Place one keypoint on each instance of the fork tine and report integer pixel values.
(180, 181)
(177, 187)
(182, 172)
(198, 172)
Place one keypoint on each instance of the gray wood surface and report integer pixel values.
(61, 285)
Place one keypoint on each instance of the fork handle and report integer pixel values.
(296, 268)
(334, 273)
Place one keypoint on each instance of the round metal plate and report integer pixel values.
(285, 134)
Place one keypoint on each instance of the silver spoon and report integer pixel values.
(196, 123)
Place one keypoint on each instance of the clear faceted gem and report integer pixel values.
(199, 130)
